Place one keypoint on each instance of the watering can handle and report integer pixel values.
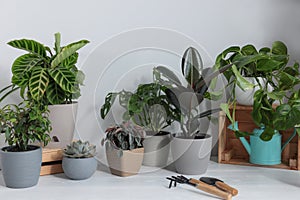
(288, 140)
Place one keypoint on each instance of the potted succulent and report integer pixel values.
(148, 107)
(124, 149)
(23, 124)
(79, 160)
(275, 103)
(191, 147)
(52, 78)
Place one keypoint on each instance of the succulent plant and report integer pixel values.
(80, 149)
(125, 136)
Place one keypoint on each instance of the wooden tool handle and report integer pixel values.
(227, 188)
(211, 189)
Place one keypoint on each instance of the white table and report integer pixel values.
(252, 182)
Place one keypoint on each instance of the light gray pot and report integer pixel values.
(156, 149)
(191, 156)
(79, 168)
(21, 169)
(62, 119)
(2, 144)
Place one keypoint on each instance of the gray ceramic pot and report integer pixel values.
(79, 168)
(21, 169)
(156, 149)
(191, 156)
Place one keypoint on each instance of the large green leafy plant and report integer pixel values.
(147, 106)
(188, 98)
(23, 124)
(270, 64)
(47, 76)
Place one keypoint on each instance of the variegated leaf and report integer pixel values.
(64, 78)
(55, 93)
(24, 63)
(38, 82)
(30, 46)
(67, 52)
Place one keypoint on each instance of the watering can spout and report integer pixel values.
(289, 139)
(246, 145)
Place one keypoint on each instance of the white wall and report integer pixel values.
(213, 24)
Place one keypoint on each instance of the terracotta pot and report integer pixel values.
(126, 165)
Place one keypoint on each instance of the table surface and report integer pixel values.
(151, 183)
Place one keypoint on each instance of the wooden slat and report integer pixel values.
(51, 161)
(51, 169)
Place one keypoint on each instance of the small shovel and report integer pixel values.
(219, 184)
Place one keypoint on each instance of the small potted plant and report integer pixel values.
(191, 146)
(124, 149)
(148, 106)
(22, 125)
(79, 160)
(52, 78)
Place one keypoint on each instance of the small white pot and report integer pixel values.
(62, 119)
(246, 97)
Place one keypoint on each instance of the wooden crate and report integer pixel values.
(231, 150)
(51, 161)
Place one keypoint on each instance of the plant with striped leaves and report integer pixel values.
(46, 76)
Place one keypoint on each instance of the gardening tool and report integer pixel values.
(219, 184)
(200, 185)
(262, 152)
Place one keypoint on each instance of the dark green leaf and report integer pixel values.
(31, 46)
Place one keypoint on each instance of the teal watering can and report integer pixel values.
(264, 152)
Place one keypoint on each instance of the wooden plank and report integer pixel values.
(51, 161)
(50, 155)
(51, 169)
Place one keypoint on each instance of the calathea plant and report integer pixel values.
(188, 98)
(126, 136)
(147, 106)
(23, 124)
(47, 76)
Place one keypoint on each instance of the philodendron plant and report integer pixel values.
(147, 106)
(270, 64)
(47, 76)
(126, 136)
(187, 99)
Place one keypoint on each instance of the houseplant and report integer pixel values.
(148, 106)
(23, 124)
(79, 160)
(124, 149)
(275, 103)
(52, 78)
(192, 146)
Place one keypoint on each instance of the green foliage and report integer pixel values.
(187, 99)
(80, 149)
(51, 78)
(126, 136)
(271, 65)
(25, 123)
(148, 106)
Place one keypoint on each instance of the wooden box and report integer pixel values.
(231, 150)
(51, 161)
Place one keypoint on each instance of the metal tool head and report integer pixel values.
(210, 180)
(179, 179)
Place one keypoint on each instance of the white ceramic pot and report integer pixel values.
(62, 119)
(191, 156)
(246, 97)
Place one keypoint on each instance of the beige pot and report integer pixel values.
(126, 165)
(62, 117)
